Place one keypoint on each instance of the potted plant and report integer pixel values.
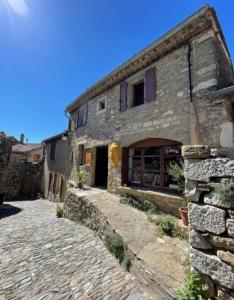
(81, 178)
(176, 171)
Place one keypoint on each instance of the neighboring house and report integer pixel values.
(179, 90)
(55, 166)
(23, 171)
(32, 153)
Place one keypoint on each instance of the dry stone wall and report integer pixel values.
(211, 217)
(6, 144)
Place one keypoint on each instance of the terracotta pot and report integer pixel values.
(184, 215)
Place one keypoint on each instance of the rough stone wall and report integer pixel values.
(6, 144)
(211, 220)
(14, 174)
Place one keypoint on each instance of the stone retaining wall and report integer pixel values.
(80, 209)
(211, 219)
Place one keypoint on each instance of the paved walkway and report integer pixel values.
(43, 257)
(165, 258)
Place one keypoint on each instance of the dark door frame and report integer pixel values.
(97, 165)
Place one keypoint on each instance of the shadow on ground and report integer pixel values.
(8, 210)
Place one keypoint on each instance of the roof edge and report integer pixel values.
(90, 92)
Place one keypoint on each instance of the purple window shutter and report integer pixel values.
(85, 115)
(150, 84)
(74, 118)
(123, 96)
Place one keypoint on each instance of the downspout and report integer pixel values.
(194, 126)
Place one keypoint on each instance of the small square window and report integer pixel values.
(101, 105)
(138, 93)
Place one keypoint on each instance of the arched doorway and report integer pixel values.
(145, 163)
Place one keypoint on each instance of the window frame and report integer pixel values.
(134, 92)
(162, 156)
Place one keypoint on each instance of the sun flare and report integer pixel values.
(18, 6)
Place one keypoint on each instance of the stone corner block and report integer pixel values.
(198, 241)
(226, 257)
(207, 218)
(211, 265)
(204, 169)
(213, 199)
(195, 151)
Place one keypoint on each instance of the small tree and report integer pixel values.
(176, 171)
(81, 178)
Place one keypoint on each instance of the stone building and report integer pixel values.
(131, 124)
(22, 171)
(56, 165)
(6, 144)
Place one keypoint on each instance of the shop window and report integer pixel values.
(36, 157)
(149, 166)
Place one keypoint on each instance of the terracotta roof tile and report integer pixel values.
(26, 147)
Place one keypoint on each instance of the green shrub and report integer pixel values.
(145, 205)
(176, 171)
(194, 289)
(127, 262)
(178, 233)
(225, 191)
(116, 246)
(166, 225)
(59, 211)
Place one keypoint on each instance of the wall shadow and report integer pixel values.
(8, 210)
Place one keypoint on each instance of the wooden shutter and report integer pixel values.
(123, 96)
(87, 157)
(150, 84)
(124, 169)
(85, 115)
(52, 150)
(74, 118)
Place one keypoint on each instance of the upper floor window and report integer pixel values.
(101, 106)
(80, 116)
(143, 91)
(52, 150)
(138, 93)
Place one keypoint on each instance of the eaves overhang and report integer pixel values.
(202, 20)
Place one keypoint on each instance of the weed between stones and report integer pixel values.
(145, 205)
(59, 212)
(193, 289)
(115, 245)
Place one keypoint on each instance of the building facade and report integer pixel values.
(56, 165)
(163, 97)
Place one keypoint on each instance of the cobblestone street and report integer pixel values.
(43, 257)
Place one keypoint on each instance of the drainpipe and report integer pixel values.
(194, 126)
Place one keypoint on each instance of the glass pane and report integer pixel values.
(152, 164)
(152, 151)
(152, 179)
(136, 162)
(135, 176)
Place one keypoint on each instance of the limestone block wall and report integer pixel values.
(211, 219)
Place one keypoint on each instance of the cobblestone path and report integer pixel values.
(43, 257)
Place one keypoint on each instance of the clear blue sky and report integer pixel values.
(50, 51)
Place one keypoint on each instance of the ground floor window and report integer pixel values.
(149, 166)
